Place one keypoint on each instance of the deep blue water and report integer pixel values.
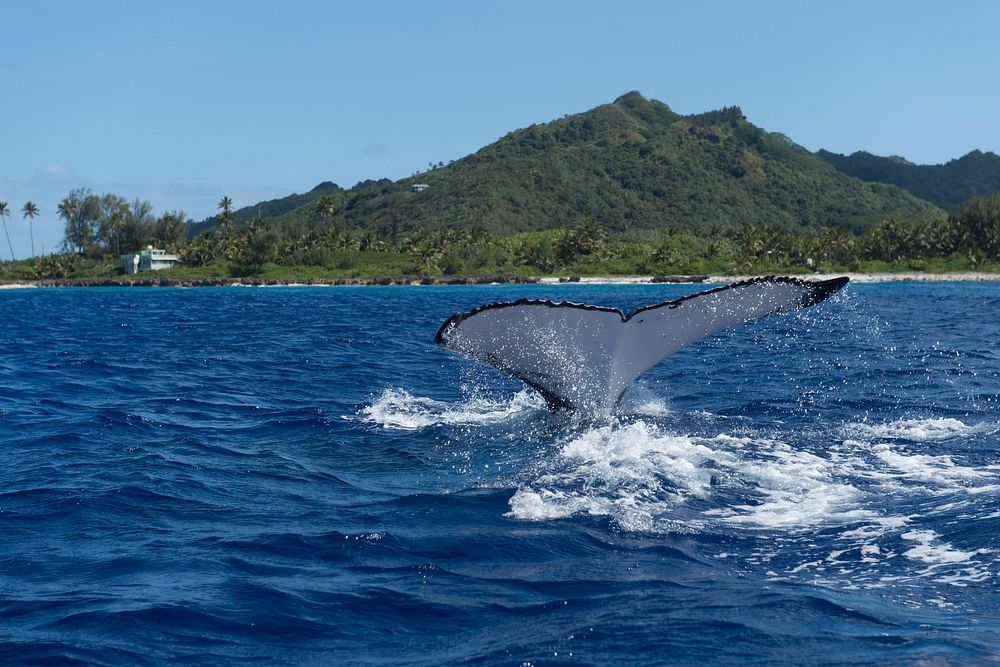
(300, 476)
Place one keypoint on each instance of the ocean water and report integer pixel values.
(300, 476)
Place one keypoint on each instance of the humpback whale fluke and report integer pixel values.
(584, 357)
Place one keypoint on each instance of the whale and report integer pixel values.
(581, 357)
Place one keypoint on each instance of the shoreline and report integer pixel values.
(152, 281)
(902, 277)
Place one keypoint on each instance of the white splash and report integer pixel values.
(939, 470)
(797, 490)
(945, 563)
(883, 453)
(645, 477)
(632, 474)
(916, 430)
(399, 409)
(929, 549)
(875, 528)
(650, 407)
(642, 477)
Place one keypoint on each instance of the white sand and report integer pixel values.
(855, 277)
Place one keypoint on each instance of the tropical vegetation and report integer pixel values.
(4, 212)
(30, 211)
(100, 228)
(627, 188)
(634, 165)
(948, 185)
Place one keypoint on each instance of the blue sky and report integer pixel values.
(184, 102)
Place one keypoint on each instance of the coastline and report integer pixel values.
(153, 281)
(902, 277)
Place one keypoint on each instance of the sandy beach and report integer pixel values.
(855, 277)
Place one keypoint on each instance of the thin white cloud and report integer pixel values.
(377, 149)
(56, 169)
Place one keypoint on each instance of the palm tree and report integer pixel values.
(4, 212)
(30, 211)
(370, 242)
(325, 207)
(117, 223)
(226, 217)
(170, 229)
(77, 234)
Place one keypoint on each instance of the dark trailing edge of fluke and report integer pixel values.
(819, 291)
(576, 355)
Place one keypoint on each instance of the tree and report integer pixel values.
(226, 217)
(751, 241)
(170, 229)
(891, 240)
(325, 207)
(369, 241)
(123, 226)
(202, 250)
(30, 211)
(82, 212)
(980, 219)
(4, 212)
(138, 225)
(114, 211)
(261, 245)
(54, 266)
(589, 238)
(69, 210)
(540, 252)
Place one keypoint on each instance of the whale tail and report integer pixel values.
(584, 357)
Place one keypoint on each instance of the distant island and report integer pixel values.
(626, 188)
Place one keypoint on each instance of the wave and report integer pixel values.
(648, 479)
(399, 409)
(917, 430)
(884, 453)
(872, 491)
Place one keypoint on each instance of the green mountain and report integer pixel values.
(294, 207)
(946, 185)
(633, 165)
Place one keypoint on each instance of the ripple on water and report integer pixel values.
(300, 476)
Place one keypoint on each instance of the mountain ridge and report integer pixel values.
(634, 165)
(948, 185)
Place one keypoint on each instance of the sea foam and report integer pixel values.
(645, 478)
(399, 409)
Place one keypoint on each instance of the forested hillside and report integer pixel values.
(948, 185)
(293, 208)
(625, 188)
(632, 165)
